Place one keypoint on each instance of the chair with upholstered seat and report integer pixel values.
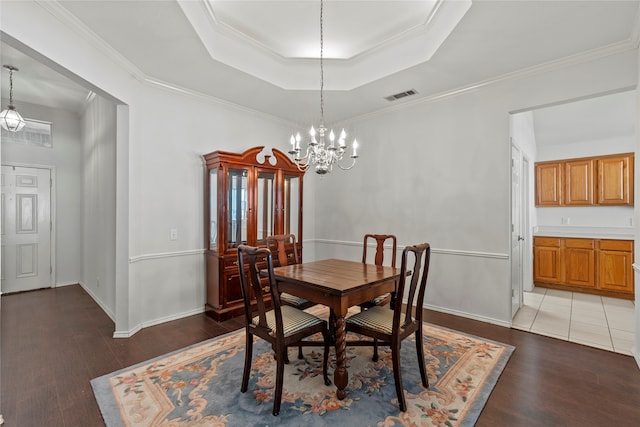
(285, 252)
(282, 326)
(391, 327)
(378, 259)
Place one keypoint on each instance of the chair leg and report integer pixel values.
(375, 350)
(277, 397)
(397, 376)
(420, 351)
(325, 358)
(247, 362)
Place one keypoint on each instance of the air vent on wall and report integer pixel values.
(401, 95)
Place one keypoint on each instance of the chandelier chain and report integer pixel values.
(10, 86)
(321, 63)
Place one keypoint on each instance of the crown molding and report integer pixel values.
(62, 14)
(213, 100)
(558, 64)
(70, 21)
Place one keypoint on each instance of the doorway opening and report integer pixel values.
(589, 127)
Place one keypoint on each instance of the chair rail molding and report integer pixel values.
(146, 257)
(456, 252)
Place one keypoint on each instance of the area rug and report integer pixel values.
(200, 385)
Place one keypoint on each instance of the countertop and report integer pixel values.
(614, 233)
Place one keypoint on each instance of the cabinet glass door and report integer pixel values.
(291, 202)
(213, 209)
(237, 205)
(265, 206)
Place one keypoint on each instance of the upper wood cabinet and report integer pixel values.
(549, 184)
(600, 181)
(578, 178)
(249, 196)
(615, 180)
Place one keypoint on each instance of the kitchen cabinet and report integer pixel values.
(615, 180)
(600, 266)
(249, 196)
(616, 270)
(546, 260)
(549, 184)
(579, 182)
(590, 181)
(580, 262)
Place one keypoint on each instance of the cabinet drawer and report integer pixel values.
(553, 242)
(579, 243)
(230, 263)
(616, 245)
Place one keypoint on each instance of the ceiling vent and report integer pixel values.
(401, 95)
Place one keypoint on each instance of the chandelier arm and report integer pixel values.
(353, 163)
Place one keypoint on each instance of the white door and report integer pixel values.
(517, 238)
(26, 229)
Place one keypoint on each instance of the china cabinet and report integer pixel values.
(249, 196)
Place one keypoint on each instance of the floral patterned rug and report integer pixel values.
(200, 386)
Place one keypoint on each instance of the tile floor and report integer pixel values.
(591, 320)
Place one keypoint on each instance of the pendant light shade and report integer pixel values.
(10, 119)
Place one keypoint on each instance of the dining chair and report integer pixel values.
(378, 259)
(391, 327)
(285, 248)
(282, 326)
(286, 251)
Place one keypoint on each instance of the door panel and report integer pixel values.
(26, 229)
(517, 234)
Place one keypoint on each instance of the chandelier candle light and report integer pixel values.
(10, 119)
(320, 154)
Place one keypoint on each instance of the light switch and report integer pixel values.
(173, 234)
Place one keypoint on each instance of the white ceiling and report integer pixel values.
(161, 41)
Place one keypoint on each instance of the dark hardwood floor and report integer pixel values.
(55, 341)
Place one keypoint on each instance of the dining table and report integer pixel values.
(339, 285)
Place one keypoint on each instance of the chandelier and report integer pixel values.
(10, 119)
(320, 153)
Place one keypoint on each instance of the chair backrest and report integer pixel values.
(417, 283)
(284, 248)
(380, 240)
(253, 285)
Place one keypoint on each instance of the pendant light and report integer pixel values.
(10, 119)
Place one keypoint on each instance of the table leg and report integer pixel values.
(340, 375)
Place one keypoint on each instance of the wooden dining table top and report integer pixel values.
(336, 276)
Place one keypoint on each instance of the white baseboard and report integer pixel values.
(59, 285)
(104, 308)
(131, 332)
(468, 315)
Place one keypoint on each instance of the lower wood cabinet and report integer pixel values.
(599, 266)
(616, 270)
